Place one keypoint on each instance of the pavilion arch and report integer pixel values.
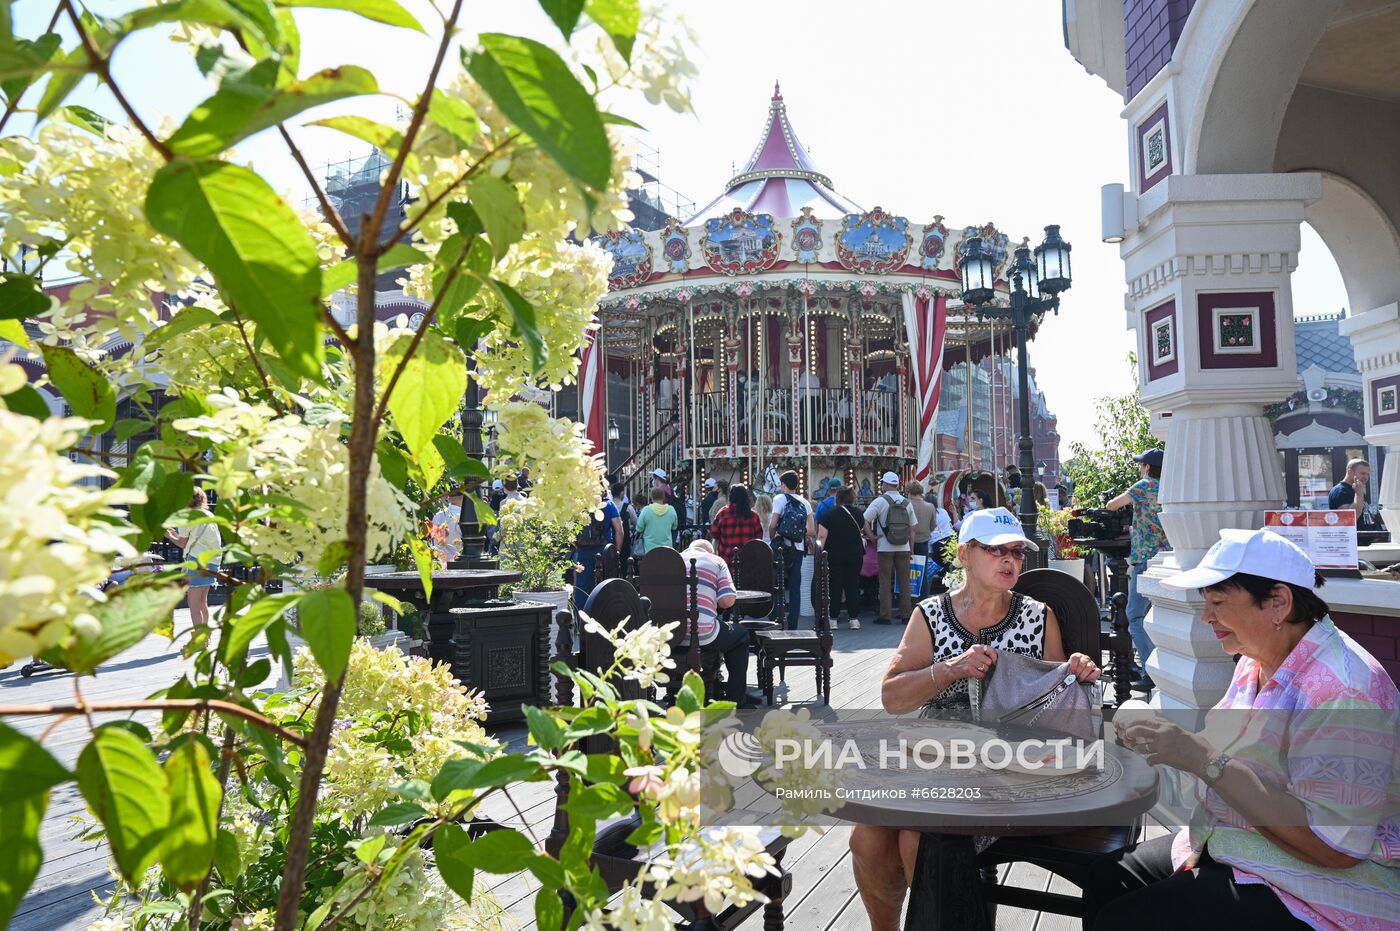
(1362, 240)
(1246, 79)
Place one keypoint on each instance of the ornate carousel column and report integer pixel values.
(901, 367)
(1375, 339)
(731, 373)
(1209, 284)
(648, 398)
(794, 357)
(684, 394)
(857, 371)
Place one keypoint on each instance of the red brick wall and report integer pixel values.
(1380, 636)
(1150, 31)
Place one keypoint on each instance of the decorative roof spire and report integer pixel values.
(779, 153)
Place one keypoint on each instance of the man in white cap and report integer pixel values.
(889, 521)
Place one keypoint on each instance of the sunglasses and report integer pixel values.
(1000, 550)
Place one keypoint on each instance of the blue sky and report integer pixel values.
(975, 111)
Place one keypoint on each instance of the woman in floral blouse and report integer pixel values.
(1148, 539)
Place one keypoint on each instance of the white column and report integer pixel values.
(1375, 339)
(1212, 256)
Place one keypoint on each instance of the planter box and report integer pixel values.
(1074, 567)
(501, 650)
(557, 600)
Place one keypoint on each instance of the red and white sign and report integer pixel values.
(1328, 537)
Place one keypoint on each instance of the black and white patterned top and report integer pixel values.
(1022, 631)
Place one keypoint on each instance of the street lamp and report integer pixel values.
(1036, 284)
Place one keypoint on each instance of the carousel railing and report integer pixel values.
(825, 414)
(711, 419)
(880, 417)
(824, 417)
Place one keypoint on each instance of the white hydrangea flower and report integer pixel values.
(642, 654)
(57, 538)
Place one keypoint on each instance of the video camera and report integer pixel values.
(1089, 526)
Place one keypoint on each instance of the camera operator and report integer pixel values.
(1148, 539)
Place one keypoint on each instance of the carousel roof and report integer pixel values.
(779, 179)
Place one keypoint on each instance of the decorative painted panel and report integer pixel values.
(740, 243)
(873, 243)
(675, 246)
(1385, 400)
(993, 240)
(1236, 330)
(931, 249)
(1154, 143)
(806, 236)
(632, 263)
(1159, 325)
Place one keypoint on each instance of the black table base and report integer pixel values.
(946, 894)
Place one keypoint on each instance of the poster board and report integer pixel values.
(1328, 537)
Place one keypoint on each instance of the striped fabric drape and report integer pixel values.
(592, 382)
(926, 322)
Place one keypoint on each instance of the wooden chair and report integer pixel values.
(672, 590)
(1069, 854)
(617, 861)
(753, 571)
(782, 648)
(608, 566)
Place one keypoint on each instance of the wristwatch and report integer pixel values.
(1215, 769)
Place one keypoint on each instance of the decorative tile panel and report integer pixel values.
(1154, 155)
(1385, 400)
(1160, 327)
(1236, 329)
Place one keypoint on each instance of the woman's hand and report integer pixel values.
(1084, 669)
(975, 663)
(1163, 743)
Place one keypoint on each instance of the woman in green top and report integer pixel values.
(657, 523)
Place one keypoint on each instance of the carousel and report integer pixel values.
(783, 326)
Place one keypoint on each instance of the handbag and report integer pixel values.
(1032, 692)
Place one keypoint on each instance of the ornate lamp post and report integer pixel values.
(1036, 283)
(613, 435)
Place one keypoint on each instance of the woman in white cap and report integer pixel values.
(1299, 824)
(952, 638)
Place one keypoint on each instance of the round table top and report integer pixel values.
(444, 579)
(890, 790)
(756, 623)
(750, 596)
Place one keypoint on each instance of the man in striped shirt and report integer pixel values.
(714, 592)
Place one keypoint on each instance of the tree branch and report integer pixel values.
(253, 357)
(161, 704)
(336, 328)
(410, 225)
(370, 243)
(332, 215)
(428, 319)
(104, 70)
(13, 103)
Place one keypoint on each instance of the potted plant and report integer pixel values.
(1064, 554)
(540, 550)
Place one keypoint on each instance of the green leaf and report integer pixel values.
(26, 768)
(522, 318)
(129, 794)
(398, 813)
(451, 851)
(392, 463)
(124, 620)
(454, 115)
(565, 14)
(460, 465)
(454, 295)
(380, 11)
(342, 274)
(602, 767)
(453, 775)
(501, 771)
(497, 205)
(619, 19)
(368, 849)
(22, 296)
(615, 119)
(226, 857)
(243, 628)
(538, 93)
(76, 66)
(187, 319)
(84, 118)
(129, 427)
(327, 622)
(190, 841)
(20, 855)
(87, 392)
(255, 245)
(251, 103)
(501, 852)
(13, 331)
(543, 728)
(383, 137)
(256, 19)
(28, 401)
(255, 674)
(336, 554)
(430, 389)
(599, 802)
(595, 720)
(548, 871)
(24, 59)
(549, 909)
(423, 559)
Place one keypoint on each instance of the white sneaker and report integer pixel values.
(855, 623)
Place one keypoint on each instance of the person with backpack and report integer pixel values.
(628, 515)
(889, 521)
(603, 527)
(790, 527)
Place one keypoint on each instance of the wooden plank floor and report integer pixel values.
(823, 898)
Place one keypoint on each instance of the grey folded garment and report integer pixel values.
(1037, 693)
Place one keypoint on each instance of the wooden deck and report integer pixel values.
(824, 894)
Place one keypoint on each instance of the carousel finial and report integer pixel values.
(777, 91)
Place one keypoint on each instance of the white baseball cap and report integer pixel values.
(993, 527)
(889, 478)
(709, 483)
(659, 473)
(1254, 552)
(498, 485)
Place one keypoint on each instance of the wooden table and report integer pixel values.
(451, 587)
(748, 598)
(946, 894)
